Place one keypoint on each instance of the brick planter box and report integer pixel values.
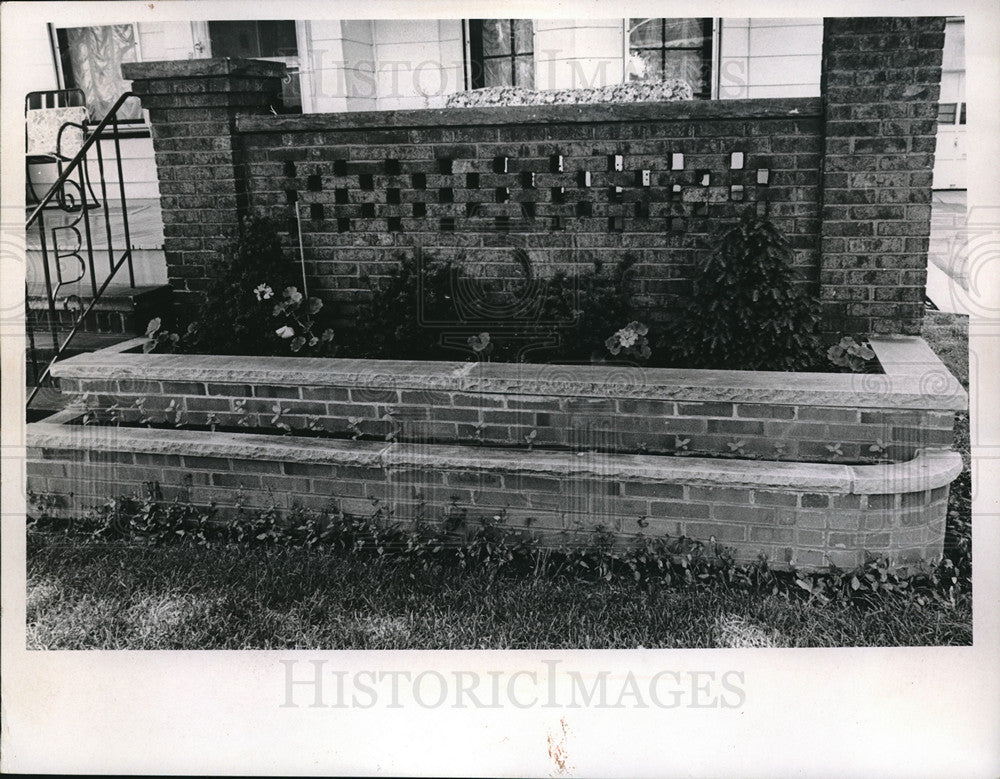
(448, 430)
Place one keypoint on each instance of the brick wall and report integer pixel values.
(881, 79)
(603, 422)
(568, 184)
(192, 108)
(847, 177)
(827, 515)
(771, 416)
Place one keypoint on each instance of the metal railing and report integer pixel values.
(73, 193)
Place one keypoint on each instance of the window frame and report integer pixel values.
(475, 58)
(709, 49)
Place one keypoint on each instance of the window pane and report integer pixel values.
(946, 113)
(234, 39)
(496, 73)
(524, 70)
(654, 64)
(686, 65)
(645, 32)
(961, 116)
(684, 32)
(523, 43)
(496, 37)
(253, 39)
(277, 39)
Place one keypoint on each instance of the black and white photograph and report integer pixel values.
(416, 358)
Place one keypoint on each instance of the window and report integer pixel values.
(90, 59)
(501, 53)
(269, 40)
(951, 109)
(951, 113)
(673, 48)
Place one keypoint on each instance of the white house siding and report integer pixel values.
(173, 40)
(417, 61)
(949, 165)
(339, 65)
(769, 58)
(35, 51)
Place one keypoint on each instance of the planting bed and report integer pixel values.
(448, 432)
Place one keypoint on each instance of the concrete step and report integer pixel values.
(121, 310)
(81, 343)
(47, 401)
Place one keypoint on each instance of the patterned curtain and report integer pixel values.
(96, 55)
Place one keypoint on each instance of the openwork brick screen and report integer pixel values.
(847, 177)
(567, 184)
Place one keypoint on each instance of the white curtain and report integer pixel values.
(96, 55)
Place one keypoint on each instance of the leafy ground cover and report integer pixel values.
(260, 592)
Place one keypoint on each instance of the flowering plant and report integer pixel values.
(481, 345)
(630, 340)
(296, 319)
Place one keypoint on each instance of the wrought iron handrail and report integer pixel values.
(58, 194)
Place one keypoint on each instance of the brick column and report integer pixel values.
(881, 80)
(192, 108)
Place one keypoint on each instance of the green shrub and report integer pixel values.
(420, 312)
(252, 305)
(746, 312)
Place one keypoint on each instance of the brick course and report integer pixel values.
(560, 499)
(773, 431)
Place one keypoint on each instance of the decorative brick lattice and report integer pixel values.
(568, 185)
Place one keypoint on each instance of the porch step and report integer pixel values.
(47, 401)
(122, 310)
(82, 342)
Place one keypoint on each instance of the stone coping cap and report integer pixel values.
(915, 378)
(929, 469)
(195, 68)
(673, 111)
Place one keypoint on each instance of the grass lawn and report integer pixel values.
(122, 596)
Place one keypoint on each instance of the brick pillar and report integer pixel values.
(192, 108)
(881, 79)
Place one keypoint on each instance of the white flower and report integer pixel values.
(285, 332)
(627, 337)
(263, 292)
